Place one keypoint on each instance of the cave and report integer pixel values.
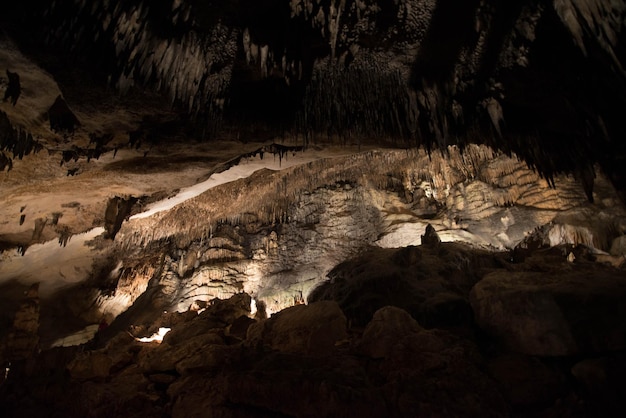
(313, 208)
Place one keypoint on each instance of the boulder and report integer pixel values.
(553, 314)
(164, 357)
(429, 373)
(239, 327)
(90, 365)
(525, 381)
(127, 394)
(431, 284)
(279, 385)
(210, 358)
(308, 329)
(618, 247)
(387, 327)
(601, 381)
(230, 309)
(217, 316)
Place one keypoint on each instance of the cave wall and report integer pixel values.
(277, 234)
(543, 79)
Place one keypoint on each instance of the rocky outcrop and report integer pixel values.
(278, 243)
(544, 344)
(431, 284)
(19, 346)
(559, 313)
(388, 326)
(298, 363)
(312, 329)
(22, 342)
(618, 246)
(526, 381)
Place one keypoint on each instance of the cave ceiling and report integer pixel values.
(542, 79)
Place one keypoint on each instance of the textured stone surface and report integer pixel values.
(312, 329)
(22, 340)
(387, 327)
(525, 381)
(432, 284)
(618, 246)
(553, 314)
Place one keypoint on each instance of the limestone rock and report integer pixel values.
(165, 357)
(446, 309)
(429, 373)
(210, 358)
(183, 332)
(121, 350)
(22, 342)
(408, 256)
(525, 381)
(90, 365)
(388, 325)
(218, 315)
(230, 309)
(618, 247)
(282, 384)
(239, 327)
(553, 314)
(307, 329)
(431, 284)
(430, 238)
(126, 394)
(601, 380)
(191, 397)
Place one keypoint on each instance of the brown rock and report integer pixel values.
(218, 315)
(430, 238)
(164, 357)
(211, 358)
(433, 373)
(162, 378)
(22, 342)
(553, 314)
(601, 381)
(525, 381)
(127, 394)
(388, 325)
(239, 328)
(90, 365)
(431, 284)
(308, 329)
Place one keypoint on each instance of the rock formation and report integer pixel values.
(312, 208)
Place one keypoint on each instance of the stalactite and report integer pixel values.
(362, 100)
(16, 141)
(379, 68)
(273, 196)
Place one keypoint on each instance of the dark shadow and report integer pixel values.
(14, 89)
(451, 28)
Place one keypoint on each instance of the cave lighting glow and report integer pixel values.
(158, 336)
